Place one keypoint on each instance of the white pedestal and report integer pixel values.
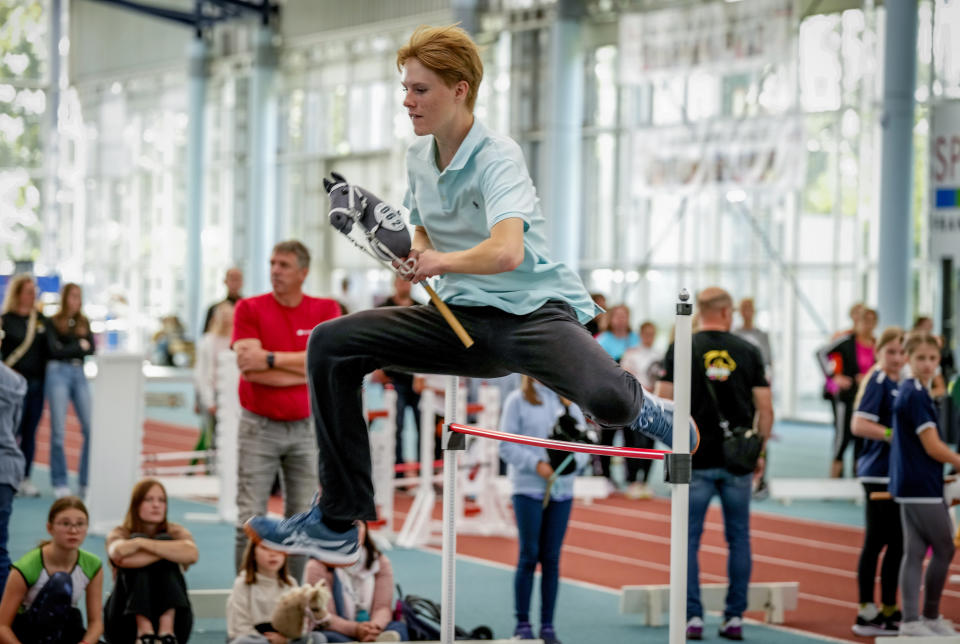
(115, 439)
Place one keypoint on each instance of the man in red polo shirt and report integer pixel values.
(270, 334)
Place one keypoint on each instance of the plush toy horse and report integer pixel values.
(377, 229)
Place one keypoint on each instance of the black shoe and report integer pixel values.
(169, 638)
(870, 627)
(892, 624)
(147, 638)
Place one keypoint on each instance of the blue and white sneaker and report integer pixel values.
(306, 534)
(656, 421)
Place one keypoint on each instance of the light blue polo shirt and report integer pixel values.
(487, 182)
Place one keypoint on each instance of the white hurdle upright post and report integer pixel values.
(678, 467)
(452, 444)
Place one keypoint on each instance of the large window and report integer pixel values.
(24, 78)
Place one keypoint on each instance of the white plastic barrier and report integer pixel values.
(116, 443)
(775, 598)
(382, 433)
(477, 473)
(787, 490)
(228, 442)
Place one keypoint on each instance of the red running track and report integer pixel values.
(618, 542)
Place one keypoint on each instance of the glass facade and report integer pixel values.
(750, 163)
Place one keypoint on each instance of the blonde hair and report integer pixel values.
(450, 53)
(918, 339)
(14, 288)
(890, 334)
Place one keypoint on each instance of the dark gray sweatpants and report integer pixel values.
(924, 525)
(548, 344)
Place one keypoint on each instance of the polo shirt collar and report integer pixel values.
(470, 142)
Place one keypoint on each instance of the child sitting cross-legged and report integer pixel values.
(263, 579)
(360, 607)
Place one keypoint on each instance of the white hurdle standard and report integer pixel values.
(678, 471)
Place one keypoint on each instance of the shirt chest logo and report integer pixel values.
(718, 364)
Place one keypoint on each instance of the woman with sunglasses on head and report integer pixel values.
(40, 601)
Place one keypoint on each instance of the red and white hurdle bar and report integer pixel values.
(678, 473)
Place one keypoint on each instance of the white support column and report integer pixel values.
(448, 581)
(680, 491)
(118, 417)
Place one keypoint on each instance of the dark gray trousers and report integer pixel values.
(924, 525)
(548, 344)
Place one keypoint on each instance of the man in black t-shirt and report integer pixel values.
(735, 370)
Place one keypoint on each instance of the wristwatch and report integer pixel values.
(270, 358)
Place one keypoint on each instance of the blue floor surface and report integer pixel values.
(484, 591)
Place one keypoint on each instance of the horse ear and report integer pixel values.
(338, 177)
(327, 184)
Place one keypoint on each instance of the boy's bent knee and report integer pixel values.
(613, 408)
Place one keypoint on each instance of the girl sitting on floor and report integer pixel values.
(361, 606)
(39, 604)
(263, 579)
(149, 602)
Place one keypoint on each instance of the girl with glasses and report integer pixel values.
(40, 602)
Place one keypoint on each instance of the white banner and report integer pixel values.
(726, 36)
(944, 224)
(753, 153)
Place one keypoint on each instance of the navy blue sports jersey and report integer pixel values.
(876, 404)
(914, 476)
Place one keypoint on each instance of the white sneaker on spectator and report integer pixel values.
(61, 491)
(916, 628)
(940, 625)
(638, 490)
(27, 489)
(388, 636)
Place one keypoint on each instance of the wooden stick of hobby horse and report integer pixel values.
(449, 317)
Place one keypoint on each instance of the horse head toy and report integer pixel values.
(376, 228)
(370, 223)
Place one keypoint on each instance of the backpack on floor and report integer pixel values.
(422, 617)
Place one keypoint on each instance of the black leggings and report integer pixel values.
(883, 529)
(634, 466)
(548, 344)
(149, 591)
(843, 435)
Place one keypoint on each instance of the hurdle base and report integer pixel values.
(775, 598)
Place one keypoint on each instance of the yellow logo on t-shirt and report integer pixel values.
(718, 364)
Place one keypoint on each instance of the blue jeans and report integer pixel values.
(734, 492)
(541, 532)
(6, 508)
(66, 383)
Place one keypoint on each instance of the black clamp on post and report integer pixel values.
(684, 307)
(453, 441)
(677, 468)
